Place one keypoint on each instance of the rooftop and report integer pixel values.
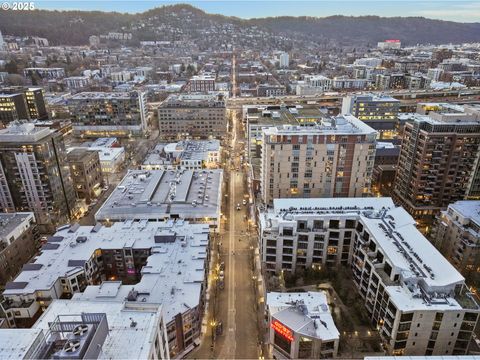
(427, 278)
(344, 124)
(173, 274)
(469, 209)
(371, 97)
(123, 340)
(193, 100)
(159, 194)
(164, 153)
(265, 115)
(11, 221)
(304, 313)
(24, 132)
(96, 95)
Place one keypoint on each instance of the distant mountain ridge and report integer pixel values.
(175, 22)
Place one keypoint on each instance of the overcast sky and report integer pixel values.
(462, 11)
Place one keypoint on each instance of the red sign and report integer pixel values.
(282, 330)
(392, 41)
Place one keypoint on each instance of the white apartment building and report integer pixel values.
(417, 300)
(314, 84)
(284, 60)
(331, 159)
(166, 261)
(301, 326)
(76, 82)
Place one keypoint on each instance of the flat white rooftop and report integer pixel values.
(96, 95)
(469, 209)
(395, 233)
(173, 275)
(305, 313)
(167, 153)
(24, 132)
(193, 195)
(123, 341)
(16, 343)
(340, 125)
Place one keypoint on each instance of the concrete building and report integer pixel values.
(417, 300)
(133, 262)
(457, 236)
(379, 112)
(193, 115)
(185, 154)
(18, 236)
(90, 330)
(284, 60)
(438, 163)
(389, 44)
(76, 82)
(260, 117)
(301, 326)
(264, 90)
(96, 114)
(19, 103)
(34, 174)
(201, 83)
(86, 173)
(332, 159)
(45, 73)
(314, 84)
(159, 195)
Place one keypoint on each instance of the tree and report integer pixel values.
(11, 67)
(14, 80)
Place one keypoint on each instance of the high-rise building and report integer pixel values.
(457, 235)
(284, 60)
(108, 113)
(34, 174)
(195, 115)
(2, 43)
(12, 107)
(418, 301)
(19, 103)
(379, 112)
(438, 162)
(332, 159)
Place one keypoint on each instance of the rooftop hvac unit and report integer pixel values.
(77, 343)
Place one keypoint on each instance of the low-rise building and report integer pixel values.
(301, 326)
(185, 154)
(167, 263)
(18, 243)
(159, 195)
(90, 330)
(97, 114)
